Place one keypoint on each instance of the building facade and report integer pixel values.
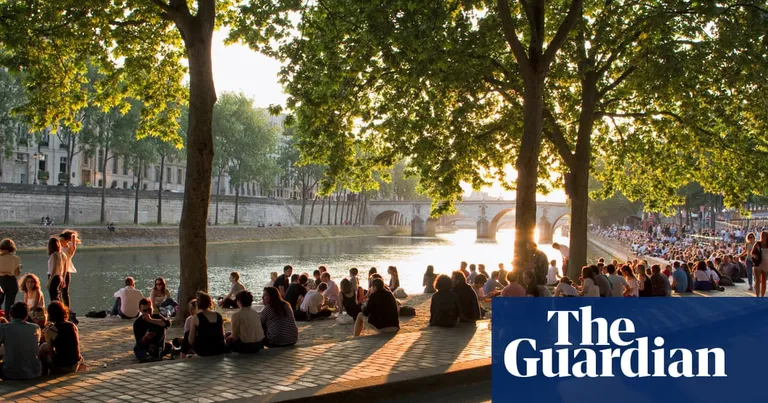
(44, 162)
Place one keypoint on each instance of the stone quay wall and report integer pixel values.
(33, 238)
(29, 203)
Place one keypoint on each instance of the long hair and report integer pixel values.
(23, 285)
(764, 239)
(160, 280)
(58, 312)
(700, 265)
(276, 302)
(627, 272)
(53, 246)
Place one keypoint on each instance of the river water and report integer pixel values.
(101, 272)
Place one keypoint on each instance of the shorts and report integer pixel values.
(762, 269)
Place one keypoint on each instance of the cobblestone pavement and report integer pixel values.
(209, 379)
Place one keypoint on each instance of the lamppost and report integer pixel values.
(36, 164)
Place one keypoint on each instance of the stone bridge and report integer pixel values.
(487, 214)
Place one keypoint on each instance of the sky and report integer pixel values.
(237, 68)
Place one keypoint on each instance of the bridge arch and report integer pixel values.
(494, 223)
(559, 221)
(384, 217)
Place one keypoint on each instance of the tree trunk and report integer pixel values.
(322, 211)
(70, 155)
(328, 219)
(359, 203)
(365, 208)
(336, 212)
(303, 201)
(160, 191)
(218, 196)
(312, 210)
(103, 216)
(237, 203)
(580, 176)
(197, 32)
(343, 205)
(527, 165)
(136, 200)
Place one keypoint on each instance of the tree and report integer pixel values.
(246, 139)
(295, 171)
(138, 46)
(67, 136)
(11, 129)
(431, 82)
(142, 153)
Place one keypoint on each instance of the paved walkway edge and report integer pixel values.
(388, 386)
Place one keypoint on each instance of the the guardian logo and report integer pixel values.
(635, 356)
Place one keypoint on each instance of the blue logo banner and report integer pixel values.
(630, 350)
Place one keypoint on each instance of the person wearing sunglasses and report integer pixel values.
(149, 331)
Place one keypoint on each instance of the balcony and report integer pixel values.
(63, 177)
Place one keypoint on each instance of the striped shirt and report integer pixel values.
(280, 330)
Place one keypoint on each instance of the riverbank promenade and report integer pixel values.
(274, 374)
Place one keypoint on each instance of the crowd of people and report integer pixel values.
(732, 255)
(36, 339)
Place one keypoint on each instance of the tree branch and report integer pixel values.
(557, 138)
(508, 27)
(565, 28)
(528, 11)
(615, 83)
(612, 58)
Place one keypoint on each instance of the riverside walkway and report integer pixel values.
(274, 374)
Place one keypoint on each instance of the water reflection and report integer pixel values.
(100, 273)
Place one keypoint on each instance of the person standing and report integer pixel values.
(57, 266)
(10, 270)
(760, 253)
(750, 244)
(69, 241)
(565, 253)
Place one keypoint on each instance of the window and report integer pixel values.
(146, 173)
(145, 186)
(168, 173)
(42, 164)
(101, 181)
(113, 185)
(125, 166)
(63, 164)
(45, 139)
(22, 157)
(179, 176)
(125, 185)
(100, 162)
(114, 164)
(157, 174)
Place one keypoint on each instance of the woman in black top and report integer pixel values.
(642, 275)
(444, 309)
(470, 306)
(61, 352)
(206, 333)
(349, 299)
(429, 280)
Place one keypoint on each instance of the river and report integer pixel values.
(101, 272)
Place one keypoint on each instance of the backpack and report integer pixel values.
(407, 311)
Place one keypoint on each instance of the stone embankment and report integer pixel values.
(616, 250)
(28, 238)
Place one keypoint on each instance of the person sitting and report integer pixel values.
(588, 287)
(33, 297)
(552, 273)
(247, 333)
(470, 306)
(702, 281)
(394, 278)
(20, 340)
(206, 332)
(349, 299)
(565, 288)
(679, 279)
(272, 278)
(644, 281)
(619, 285)
(602, 281)
(429, 280)
(149, 332)
(354, 282)
(533, 288)
(472, 274)
(659, 282)
(280, 328)
(492, 287)
(228, 302)
(283, 281)
(182, 343)
(160, 295)
(513, 289)
(316, 280)
(127, 300)
(314, 306)
(445, 308)
(332, 293)
(38, 316)
(296, 291)
(380, 314)
(60, 354)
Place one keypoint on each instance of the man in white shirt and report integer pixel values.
(127, 302)
(332, 293)
(313, 304)
(565, 253)
(552, 273)
(619, 284)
